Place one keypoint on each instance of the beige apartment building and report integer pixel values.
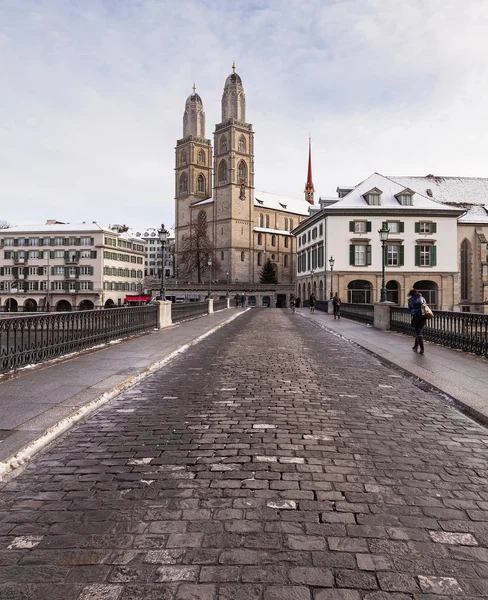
(63, 266)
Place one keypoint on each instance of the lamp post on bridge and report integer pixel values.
(331, 263)
(163, 236)
(384, 233)
(227, 282)
(209, 263)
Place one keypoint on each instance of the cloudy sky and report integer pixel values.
(93, 91)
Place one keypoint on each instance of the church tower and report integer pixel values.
(193, 166)
(234, 183)
(309, 189)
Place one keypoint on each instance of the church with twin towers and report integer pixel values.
(215, 185)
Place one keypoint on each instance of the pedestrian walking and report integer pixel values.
(243, 301)
(336, 303)
(292, 302)
(415, 301)
(237, 300)
(297, 301)
(312, 303)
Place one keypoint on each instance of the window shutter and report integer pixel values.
(2, 270)
(351, 226)
(368, 254)
(51, 254)
(417, 254)
(433, 227)
(77, 241)
(66, 254)
(52, 270)
(26, 242)
(16, 242)
(401, 256)
(384, 225)
(77, 271)
(368, 226)
(401, 227)
(41, 241)
(351, 254)
(433, 256)
(417, 227)
(40, 270)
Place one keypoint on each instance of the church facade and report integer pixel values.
(214, 184)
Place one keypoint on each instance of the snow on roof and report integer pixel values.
(200, 202)
(57, 227)
(389, 189)
(269, 230)
(472, 190)
(475, 214)
(281, 203)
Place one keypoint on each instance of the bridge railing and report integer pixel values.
(189, 310)
(358, 312)
(26, 340)
(463, 331)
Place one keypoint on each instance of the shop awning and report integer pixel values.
(137, 298)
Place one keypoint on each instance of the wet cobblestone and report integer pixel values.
(272, 461)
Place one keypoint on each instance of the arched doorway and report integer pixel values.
(109, 303)
(266, 301)
(86, 305)
(360, 291)
(251, 301)
(30, 305)
(63, 305)
(11, 305)
(321, 290)
(429, 290)
(393, 291)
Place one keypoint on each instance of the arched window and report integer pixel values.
(260, 259)
(267, 221)
(465, 270)
(285, 260)
(183, 183)
(242, 144)
(183, 157)
(222, 255)
(201, 157)
(223, 144)
(273, 240)
(260, 239)
(291, 224)
(242, 256)
(202, 218)
(261, 220)
(242, 171)
(286, 224)
(286, 242)
(223, 172)
(201, 184)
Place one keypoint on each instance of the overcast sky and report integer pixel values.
(93, 92)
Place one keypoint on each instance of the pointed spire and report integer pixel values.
(234, 66)
(194, 88)
(309, 189)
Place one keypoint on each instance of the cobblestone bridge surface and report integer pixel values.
(272, 461)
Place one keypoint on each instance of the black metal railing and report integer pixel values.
(358, 312)
(220, 304)
(26, 340)
(322, 305)
(463, 331)
(189, 310)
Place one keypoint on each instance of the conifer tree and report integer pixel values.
(268, 273)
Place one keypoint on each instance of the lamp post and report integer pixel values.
(311, 284)
(227, 283)
(331, 263)
(163, 236)
(384, 233)
(209, 263)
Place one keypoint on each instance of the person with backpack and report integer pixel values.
(415, 301)
(336, 303)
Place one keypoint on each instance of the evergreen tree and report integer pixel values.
(268, 273)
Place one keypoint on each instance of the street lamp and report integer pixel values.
(163, 236)
(311, 284)
(331, 263)
(209, 263)
(384, 233)
(227, 282)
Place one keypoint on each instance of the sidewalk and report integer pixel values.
(459, 375)
(38, 404)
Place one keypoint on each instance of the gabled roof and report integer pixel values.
(389, 190)
(281, 203)
(472, 190)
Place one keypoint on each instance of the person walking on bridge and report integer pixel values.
(415, 301)
(336, 303)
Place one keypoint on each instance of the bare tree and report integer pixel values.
(196, 249)
(5, 225)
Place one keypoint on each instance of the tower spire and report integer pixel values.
(309, 189)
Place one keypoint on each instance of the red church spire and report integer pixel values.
(309, 189)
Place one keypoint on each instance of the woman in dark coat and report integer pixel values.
(415, 301)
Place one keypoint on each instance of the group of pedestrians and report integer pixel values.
(238, 299)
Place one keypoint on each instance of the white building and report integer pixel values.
(421, 250)
(153, 259)
(64, 266)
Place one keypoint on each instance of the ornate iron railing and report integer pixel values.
(358, 312)
(180, 312)
(463, 331)
(33, 339)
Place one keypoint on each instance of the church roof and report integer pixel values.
(451, 190)
(282, 203)
(194, 98)
(233, 79)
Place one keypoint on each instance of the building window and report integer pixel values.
(260, 239)
(261, 220)
(223, 172)
(260, 259)
(394, 226)
(286, 242)
(394, 255)
(291, 224)
(242, 144)
(242, 171)
(183, 183)
(223, 144)
(183, 157)
(201, 184)
(360, 255)
(359, 226)
(201, 157)
(267, 221)
(222, 255)
(425, 255)
(465, 270)
(286, 224)
(425, 227)
(373, 197)
(314, 233)
(242, 256)
(273, 240)
(285, 260)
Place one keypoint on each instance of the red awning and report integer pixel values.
(137, 298)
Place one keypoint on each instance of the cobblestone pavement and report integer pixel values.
(272, 461)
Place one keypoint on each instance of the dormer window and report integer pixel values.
(373, 197)
(405, 197)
